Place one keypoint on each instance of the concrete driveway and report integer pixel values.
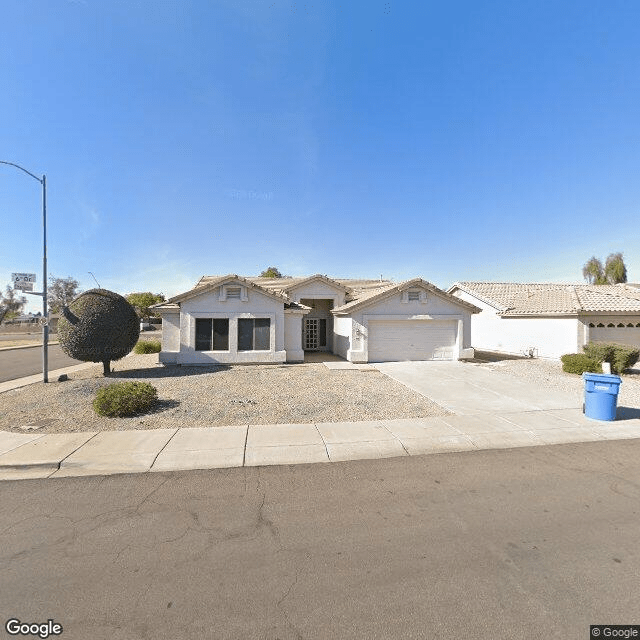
(466, 389)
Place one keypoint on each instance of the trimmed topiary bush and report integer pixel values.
(98, 326)
(122, 399)
(580, 363)
(148, 346)
(620, 356)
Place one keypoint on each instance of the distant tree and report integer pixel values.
(142, 301)
(11, 304)
(613, 272)
(61, 292)
(271, 272)
(98, 326)
(593, 271)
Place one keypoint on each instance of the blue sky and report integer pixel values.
(449, 140)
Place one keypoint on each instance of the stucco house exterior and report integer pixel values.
(548, 320)
(235, 319)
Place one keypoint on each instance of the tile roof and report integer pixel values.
(369, 295)
(532, 298)
(365, 294)
(211, 282)
(358, 291)
(356, 288)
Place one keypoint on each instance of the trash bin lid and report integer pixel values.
(602, 377)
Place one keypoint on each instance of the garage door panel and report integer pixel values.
(391, 340)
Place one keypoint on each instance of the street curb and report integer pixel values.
(30, 466)
(28, 346)
(438, 445)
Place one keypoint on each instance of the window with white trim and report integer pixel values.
(254, 334)
(413, 296)
(233, 293)
(212, 334)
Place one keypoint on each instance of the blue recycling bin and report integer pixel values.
(601, 395)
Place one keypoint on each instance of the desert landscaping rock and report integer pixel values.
(217, 396)
(549, 373)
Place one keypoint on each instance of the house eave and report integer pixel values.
(212, 286)
(321, 278)
(468, 291)
(541, 314)
(398, 288)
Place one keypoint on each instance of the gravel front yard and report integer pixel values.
(208, 397)
(549, 373)
(253, 394)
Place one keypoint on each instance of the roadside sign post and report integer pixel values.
(23, 281)
(27, 285)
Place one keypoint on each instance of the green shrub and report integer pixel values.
(620, 356)
(124, 399)
(148, 346)
(580, 363)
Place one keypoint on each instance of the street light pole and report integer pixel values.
(45, 326)
(45, 317)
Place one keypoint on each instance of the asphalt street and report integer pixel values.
(531, 543)
(18, 363)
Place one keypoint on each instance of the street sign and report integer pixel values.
(26, 277)
(23, 281)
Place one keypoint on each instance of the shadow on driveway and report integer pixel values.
(627, 413)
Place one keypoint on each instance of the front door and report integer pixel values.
(310, 339)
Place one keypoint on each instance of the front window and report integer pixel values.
(212, 334)
(254, 334)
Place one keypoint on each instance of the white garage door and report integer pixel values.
(393, 340)
(627, 334)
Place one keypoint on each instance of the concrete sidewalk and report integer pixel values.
(51, 456)
(17, 383)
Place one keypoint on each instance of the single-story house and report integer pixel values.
(234, 319)
(549, 320)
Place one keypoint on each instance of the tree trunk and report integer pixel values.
(106, 367)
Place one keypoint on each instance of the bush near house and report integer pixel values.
(148, 346)
(620, 356)
(580, 363)
(122, 399)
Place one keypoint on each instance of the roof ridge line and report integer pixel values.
(576, 298)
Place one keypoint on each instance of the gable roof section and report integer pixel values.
(207, 284)
(516, 298)
(284, 285)
(165, 306)
(359, 293)
(367, 297)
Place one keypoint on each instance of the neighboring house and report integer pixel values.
(549, 320)
(233, 319)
